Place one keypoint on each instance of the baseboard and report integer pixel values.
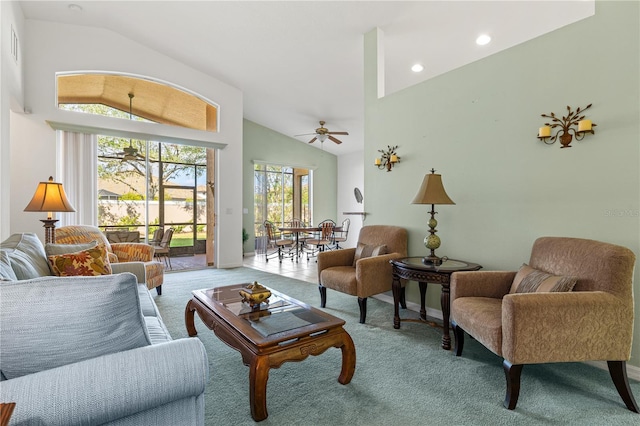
(633, 372)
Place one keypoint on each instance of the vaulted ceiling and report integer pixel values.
(298, 62)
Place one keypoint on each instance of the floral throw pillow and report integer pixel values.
(93, 261)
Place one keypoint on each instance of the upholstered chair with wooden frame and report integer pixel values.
(359, 271)
(275, 241)
(117, 252)
(593, 322)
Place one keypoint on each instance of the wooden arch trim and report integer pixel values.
(153, 101)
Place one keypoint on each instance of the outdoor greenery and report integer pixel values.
(274, 188)
(166, 164)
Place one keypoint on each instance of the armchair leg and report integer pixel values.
(323, 296)
(618, 372)
(512, 374)
(159, 290)
(362, 302)
(458, 333)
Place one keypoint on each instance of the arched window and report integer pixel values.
(153, 101)
(143, 185)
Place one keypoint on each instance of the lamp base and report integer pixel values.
(49, 230)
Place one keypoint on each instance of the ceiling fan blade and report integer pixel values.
(338, 141)
(313, 140)
(337, 133)
(304, 134)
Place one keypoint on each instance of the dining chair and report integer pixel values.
(276, 241)
(342, 234)
(323, 240)
(164, 248)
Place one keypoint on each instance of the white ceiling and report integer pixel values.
(298, 62)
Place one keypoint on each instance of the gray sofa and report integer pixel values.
(90, 350)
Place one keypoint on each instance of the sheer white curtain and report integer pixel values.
(78, 166)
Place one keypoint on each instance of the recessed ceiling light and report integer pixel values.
(417, 68)
(75, 7)
(483, 39)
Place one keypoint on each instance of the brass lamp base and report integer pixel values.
(49, 230)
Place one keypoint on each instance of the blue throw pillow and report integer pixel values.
(53, 321)
(6, 271)
(27, 256)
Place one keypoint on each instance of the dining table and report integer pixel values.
(297, 230)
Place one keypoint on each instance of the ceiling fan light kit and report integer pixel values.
(322, 134)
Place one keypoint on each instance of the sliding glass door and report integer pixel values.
(281, 194)
(162, 185)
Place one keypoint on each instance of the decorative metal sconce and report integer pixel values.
(566, 127)
(388, 159)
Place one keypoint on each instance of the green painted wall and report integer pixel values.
(477, 127)
(265, 145)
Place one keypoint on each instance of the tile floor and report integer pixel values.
(302, 270)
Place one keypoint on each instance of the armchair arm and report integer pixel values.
(375, 274)
(136, 268)
(110, 387)
(131, 252)
(494, 284)
(564, 327)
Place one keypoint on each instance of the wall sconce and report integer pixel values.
(566, 127)
(388, 159)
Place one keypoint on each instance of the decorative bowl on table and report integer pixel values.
(254, 294)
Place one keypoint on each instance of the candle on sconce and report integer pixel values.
(584, 126)
(394, 158)
(544, 132)
(378, 162)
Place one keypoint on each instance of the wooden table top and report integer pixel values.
(282, 318)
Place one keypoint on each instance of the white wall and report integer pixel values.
(52, 47)
(350, 176)
(11, 97)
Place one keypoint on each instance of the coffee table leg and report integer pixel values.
(189, 312)
(258, 376)
(348, 359)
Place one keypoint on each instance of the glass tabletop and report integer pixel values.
(447, 265)
(276, 315)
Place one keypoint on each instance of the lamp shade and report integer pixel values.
(431, 191)
(49, 197)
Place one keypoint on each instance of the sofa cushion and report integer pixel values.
(55, 249)
(530, 280)
(27, 256)
(6, 272)
(53, 321)
(368, 250)
(88, 262)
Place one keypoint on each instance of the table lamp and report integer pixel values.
(432, 192)
(49, 197)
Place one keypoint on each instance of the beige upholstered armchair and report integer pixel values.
(526, 318)
(365, 270)
(153, 274)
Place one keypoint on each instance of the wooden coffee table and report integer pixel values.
(284, 329)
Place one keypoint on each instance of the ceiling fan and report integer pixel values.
(130, 153)
(322, 133)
